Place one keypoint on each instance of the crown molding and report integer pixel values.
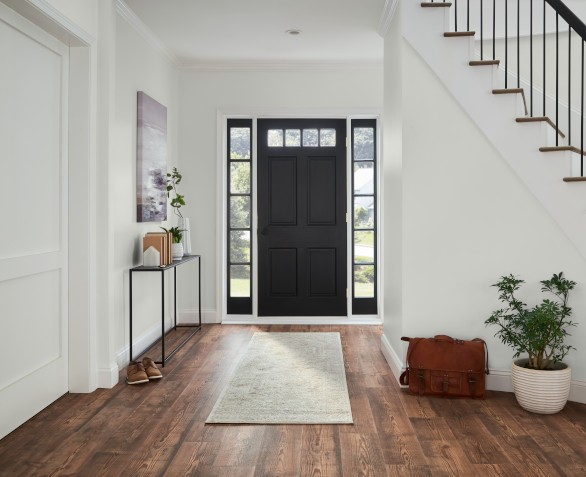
(140, 27)
(269, 66)
(387, 17)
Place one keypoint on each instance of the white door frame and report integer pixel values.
(83, 375)
(221, 254)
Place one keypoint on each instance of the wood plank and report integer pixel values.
(320, 451)
(281, 452)
(361, 455)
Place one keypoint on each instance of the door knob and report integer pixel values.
(264, 231)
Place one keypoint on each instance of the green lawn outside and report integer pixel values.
(363, 290)
(364, 238)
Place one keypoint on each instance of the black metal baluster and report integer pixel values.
(569, 85)
(455, 15)
(494, 29)
(507, 43)
(481, 31)
(582, 118)
(557, 78)
(531, 56)
(467, 15)
(518, 44)
(544, 57)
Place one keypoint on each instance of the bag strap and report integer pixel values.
(404, 378)
(472, 384)
(486, 370)
(447, 338)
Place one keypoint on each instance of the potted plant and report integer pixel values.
(177, 201)
(177, 245)
(541, 381)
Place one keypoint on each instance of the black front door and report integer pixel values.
(302, 217)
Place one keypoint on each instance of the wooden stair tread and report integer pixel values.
(484, 62)
(574, 179)
(562, 149)
(536, 119)
(508, 91)
(450, 34)
(513, 91)
(436, 4)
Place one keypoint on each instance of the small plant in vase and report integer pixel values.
(177, 201)
(177, 245)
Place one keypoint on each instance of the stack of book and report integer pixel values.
(161, 242)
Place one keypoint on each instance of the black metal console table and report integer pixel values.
(162, 270)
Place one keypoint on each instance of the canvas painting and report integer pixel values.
(151, 166)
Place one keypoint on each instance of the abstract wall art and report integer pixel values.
(151, 164)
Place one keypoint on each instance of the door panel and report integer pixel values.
(322, 271)
(283, 272)
(33, 245)
(302, 217)
(322, 191)
(283, 190)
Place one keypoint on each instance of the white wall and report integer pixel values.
(138, 68)
(204, 93)
(467, 220)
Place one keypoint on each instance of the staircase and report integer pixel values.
(539, 134)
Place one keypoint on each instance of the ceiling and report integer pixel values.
(252, 32)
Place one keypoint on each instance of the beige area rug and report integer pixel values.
(287, 378)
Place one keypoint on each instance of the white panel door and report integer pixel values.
(33, 224)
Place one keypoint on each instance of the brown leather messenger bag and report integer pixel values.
(444, 366)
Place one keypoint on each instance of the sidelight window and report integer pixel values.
(364, 217)
(239, 205)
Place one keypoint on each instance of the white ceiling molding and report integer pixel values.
(139, 26)
(267, 67)
(387, 17)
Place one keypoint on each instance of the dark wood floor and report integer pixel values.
(158, 428)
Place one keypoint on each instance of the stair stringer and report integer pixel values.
(517, 143)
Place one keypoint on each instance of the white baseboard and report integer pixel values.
(395, 363)
(139, 344)
(154, 332)
(190, 316)
(578, 392)
(499, 380)
(108, 377)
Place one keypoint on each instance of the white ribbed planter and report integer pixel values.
(177, 251)
(543, 392)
